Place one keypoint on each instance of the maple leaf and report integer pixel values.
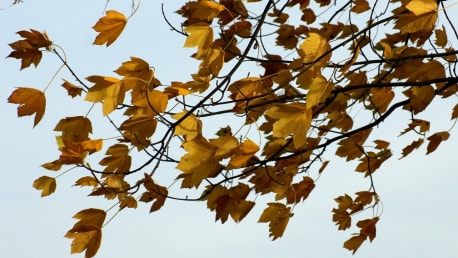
(155, 192)
(441, 37)
(351, 146)
(277, 214)
(136, 67)
(225, 145)
(360, 6)
(198, 163)
(28, 49)
(46, 184)
(319, 91)
(31, 101)
(72, 89)
(290, 119)
(409, 148)
(74, 129)
(117, 159)
(243, 154)
(300, 191)
(87, 233)
(419, 7)
(354, 243)
(138, 130)
(420, 97)
(128, 202)
(313, 47)
(109, 27)
(107, 89)
(411, 23)
(435, 140)
(200, 36)
(230, 201)
(190, 126)
(87, 181)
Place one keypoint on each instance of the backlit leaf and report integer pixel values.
(107, 89)
(109, 27)
(313, 47)
(277, 215)
(46, 184)
(190, 126)
(117, 159)
(31, 101)
(200, 36)
(28, 49)
(72, 89)
(419, 7)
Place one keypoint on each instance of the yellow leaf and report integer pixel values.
(109, 27)
(230, 201)
(225, 145)
(85, 237)
(435, 140)
(107, 89)
(72, 89)
(351, 147)
(117, 159)
(46, 184)
(319, 90)
(128, 202)
(87, 181)
(92, 146)
(419, 7)
(313, 47)
(136, 67)
(200, 36)
(242, 155)
(74, 129)
(90, 216)
(190, 127)
(31, 101)
(290, 119)
(387, 53)
(277, 214)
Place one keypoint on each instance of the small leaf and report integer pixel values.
(277, 214)
(109, 27)
(107, 89)
(200, 36)
(46, 184)
(72, 89)
(28, 49)
(31, 101)
(419, 7)
(354, 243)
(435, 140)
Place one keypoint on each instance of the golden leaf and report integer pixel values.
(190, 127)
(420, 97)
(354, 243)
(319, 90)
(290, 119)
(85, 237)
(31, 101)
(87, 181)
(411, 23)
(74, 129)
(419, 7)
(230, 201)
(435, 140)
(300, 191)
(155, 192)
(28, 49)
(441, 37)
(360, 6)
(107, 89)
(117, 159)
(128, 202)
(72, 89)
(243, 154)
(46, 184)
(277, 214)
(225, 145)
(313, 47)
(109, 27)
(200, 36)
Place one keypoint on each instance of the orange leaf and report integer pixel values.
(190, 127)
(201, 36)
(241, 156)
(313, 47)
(72, 89)
(75, 129)
(277, 214)
(109, 27)
(85, 237)
(31, 101)
(419, 7)
(46, 184)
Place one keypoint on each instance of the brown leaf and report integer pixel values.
(46, 184)
(72, 89)
(28, 49)
(435, 140)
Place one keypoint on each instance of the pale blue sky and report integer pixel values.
(419, 193)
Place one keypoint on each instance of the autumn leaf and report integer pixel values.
(72, 89)
(354, 243)
(313, 47)
(277, 215)
(87, 232)
(360, 6)
(243, 154)
(28, 49)
(200, 36)
(87, 181)
(301, 190)
(189, 126)
(74, 129)
(31, 101)
(230, 202)
(107, 89)
(46, 184)
(411, 23)
(155, 192)
(419, 7)
(435, 140)
(109, 27)
(319, 91)
(412, 146)
(420, 97)
(290, 119)
(117, 159)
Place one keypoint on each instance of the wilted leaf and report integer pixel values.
(31, 101)
(109, 27)
(46, 184)
(28, 49)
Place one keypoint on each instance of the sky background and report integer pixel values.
(419, 193)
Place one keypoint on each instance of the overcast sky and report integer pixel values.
(419, 193)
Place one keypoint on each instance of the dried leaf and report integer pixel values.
(109, 27)
(31, 101)
(46, 184)
(72, 89)
(435, 140)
